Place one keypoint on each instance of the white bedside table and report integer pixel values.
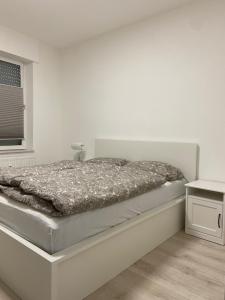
(205, 210)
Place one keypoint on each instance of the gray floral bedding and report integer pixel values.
(69, 187)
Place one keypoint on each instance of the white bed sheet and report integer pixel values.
(55, 234)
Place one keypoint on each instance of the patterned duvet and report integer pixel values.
(69, 187)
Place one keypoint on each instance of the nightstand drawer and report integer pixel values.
(205, 216)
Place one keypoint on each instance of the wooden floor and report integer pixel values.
(182, 268)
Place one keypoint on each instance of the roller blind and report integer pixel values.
(11, 102)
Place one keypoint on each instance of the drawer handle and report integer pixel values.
(219, 217)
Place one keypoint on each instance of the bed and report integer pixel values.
(54, 234)
(108, 239)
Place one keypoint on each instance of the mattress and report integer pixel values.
(55, 234)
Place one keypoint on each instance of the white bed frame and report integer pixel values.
(74, 273)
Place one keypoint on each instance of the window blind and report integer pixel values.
(11, 112)
(11, 102)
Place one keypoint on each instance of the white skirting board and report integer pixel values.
(78, 271)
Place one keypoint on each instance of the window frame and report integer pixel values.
(23, 146)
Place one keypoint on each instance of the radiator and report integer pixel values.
(25, 161)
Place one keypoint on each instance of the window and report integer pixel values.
(12, 106)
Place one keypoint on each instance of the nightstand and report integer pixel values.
(205, 210)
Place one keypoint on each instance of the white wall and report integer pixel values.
(18, 44)
(162, 78)
(48, 106)
(47, 96)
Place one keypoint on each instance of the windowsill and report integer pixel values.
(16, 151)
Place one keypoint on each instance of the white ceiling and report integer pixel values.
(65, 22)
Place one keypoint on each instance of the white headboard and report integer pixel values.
(180, 154)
